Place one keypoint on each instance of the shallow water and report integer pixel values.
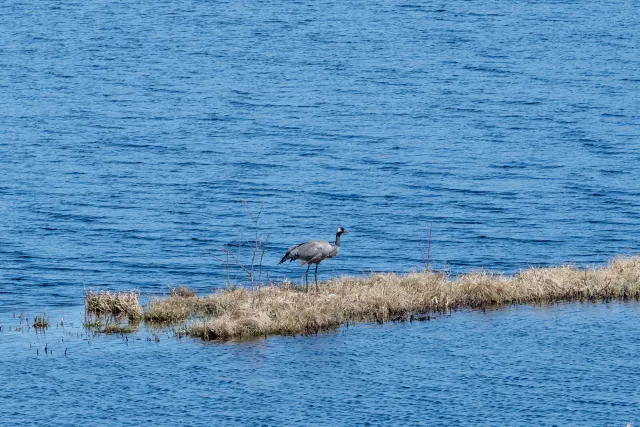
(572, 364)
(132, 131)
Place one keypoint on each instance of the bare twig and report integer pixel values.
(257, 244)
(226, 263)
(426, 259)
(429, 246)
(264, 250)
(422, 252)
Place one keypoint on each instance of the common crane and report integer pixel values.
(314, 252)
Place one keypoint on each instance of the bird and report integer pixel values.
(314, 252)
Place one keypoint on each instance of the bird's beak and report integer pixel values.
(346, 231)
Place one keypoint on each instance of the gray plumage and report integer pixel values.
(314, 252)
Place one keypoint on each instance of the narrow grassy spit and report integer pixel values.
(288, 310)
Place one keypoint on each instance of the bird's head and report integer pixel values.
(342, 230)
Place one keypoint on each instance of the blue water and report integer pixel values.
(572, 365)
(131, 132)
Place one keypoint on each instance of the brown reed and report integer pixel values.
(40, 321)
(382, 297)
(117, 303)
(182, 291)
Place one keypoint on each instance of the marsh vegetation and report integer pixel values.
(285, 309)
(40, 321)
(115, 304)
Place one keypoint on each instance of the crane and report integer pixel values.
(314, 252)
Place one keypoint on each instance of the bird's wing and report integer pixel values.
(307, 251)
(313, 248)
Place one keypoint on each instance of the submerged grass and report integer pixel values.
(108, 324)
(115, 328)
(382, 297)
(40, 321)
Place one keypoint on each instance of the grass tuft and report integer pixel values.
(182, 291)
(170, 310)
(40, 321)
(117, 303)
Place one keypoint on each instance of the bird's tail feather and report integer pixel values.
(291, 254)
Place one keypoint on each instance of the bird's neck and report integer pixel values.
(337, 239)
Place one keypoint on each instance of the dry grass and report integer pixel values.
(178, 308)
(171, 310)
(288, 310)
(117, 303)
(182, 291)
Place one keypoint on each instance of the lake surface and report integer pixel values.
(131, 132)
(574, 364)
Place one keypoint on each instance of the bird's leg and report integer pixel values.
(307, 278)
(317, 278)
